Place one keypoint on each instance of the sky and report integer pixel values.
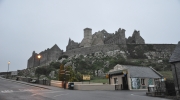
(35, 25)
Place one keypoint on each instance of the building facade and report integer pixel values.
(175, 65)
(128, 77)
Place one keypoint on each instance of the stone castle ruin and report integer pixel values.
(47, 56)
(103, 37)
(106, 43)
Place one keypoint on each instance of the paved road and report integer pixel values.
(17, 91)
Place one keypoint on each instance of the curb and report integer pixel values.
(21, 82)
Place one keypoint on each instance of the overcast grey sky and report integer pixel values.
(28, 25)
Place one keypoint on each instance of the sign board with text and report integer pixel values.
(86, 77)
(14, 73)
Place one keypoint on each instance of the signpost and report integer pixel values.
(14, 73)
(64, 72)
(86, 78)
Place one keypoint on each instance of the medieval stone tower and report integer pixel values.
(117, 38)
(87, 40)
(136, 38)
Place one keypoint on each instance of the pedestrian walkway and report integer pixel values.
(35, 85)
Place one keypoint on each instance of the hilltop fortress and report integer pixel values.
(100, 41)
(103, 37)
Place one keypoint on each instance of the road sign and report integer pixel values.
(14, 72)
(86, 77)
(107, 75)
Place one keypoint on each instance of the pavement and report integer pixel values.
(18, 90)
(33, 84)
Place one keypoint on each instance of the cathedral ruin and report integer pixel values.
(47, 56)
(99, 41)
(103, 37)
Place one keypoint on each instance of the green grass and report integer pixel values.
(99, 80)
(167, 74)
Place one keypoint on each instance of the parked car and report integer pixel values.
(33, 81)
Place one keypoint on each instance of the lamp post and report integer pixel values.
(8, 68)
(39, 57)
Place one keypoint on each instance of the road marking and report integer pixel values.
(23, 90)
(61, 94)
(7, 91)
(45, 92)
(33, 90)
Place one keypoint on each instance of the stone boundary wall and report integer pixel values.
(94, 87)
(89, 50)
(164, 47)
(110, 47)
(56, 83)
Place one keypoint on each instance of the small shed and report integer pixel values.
(175, 65)
(129, 77)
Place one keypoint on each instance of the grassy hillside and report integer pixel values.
(167, 74)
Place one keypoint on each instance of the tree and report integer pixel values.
(97, 64)
(73, 77)
(41, 71)
(55, 65)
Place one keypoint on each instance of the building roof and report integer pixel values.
(117, 72)
(139, 72)
(175, 57)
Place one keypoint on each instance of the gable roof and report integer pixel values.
(139, 72)
(175, 57)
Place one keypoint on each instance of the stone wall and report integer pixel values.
(136, 38)
(92, 49)
(133, 50)
(72, 45)
(94, 87)
(47, 56)
(50, 55)
(150, 51)
(33, 60)
(117, 38)
(103, 37)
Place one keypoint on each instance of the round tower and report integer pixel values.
(88, 33)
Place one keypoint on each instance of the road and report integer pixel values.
(17, 91)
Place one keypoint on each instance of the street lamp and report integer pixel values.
(8, 68)
(39, 57)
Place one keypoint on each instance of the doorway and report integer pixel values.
(124, 83)
(115, 80)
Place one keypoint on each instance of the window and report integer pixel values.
(142, 82)
(115, 80)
